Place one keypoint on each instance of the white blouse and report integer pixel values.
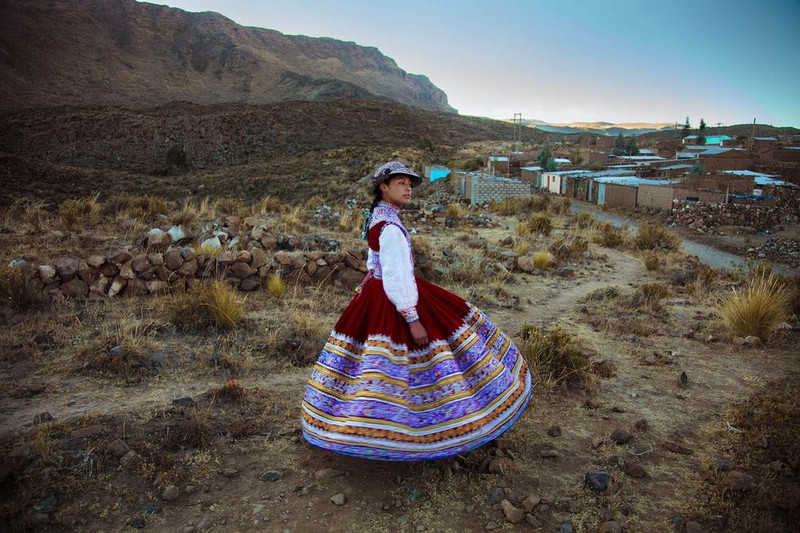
(398, 272)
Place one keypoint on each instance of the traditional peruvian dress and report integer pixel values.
(375, 393)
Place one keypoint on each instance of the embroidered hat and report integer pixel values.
(394, 168)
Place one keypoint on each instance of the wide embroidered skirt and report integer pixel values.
(376, 394)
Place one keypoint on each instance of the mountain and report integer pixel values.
(599, 128)
(123, 52)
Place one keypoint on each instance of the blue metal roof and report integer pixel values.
(633, 181)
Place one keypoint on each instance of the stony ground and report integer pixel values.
(174, 445)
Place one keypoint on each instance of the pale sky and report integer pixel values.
(571, 60)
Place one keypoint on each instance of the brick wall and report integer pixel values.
(485, 189)
(708, 197)
(655, 196)
(727, 161)
(620, 195)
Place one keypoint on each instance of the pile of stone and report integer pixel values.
(244, 260)
(325, 215)
(707, 217)
(779, 250)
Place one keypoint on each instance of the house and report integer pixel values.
(711, 140)
(677, 169)
(480, 188)
(436, 172)
(532, 175)
(554, 182)
(623, 191)
(497, 164)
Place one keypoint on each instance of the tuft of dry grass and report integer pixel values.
(568, 247)
(543, 259)
(145, 208)
(222, 303)
(759, 308)
(554, 357)
(292, 221)
(583, 219)
(75, 213)
(652, 262)
(655, 236)
(653, 293)
(276, 285)
(609, 236)
(456, 211)
(21, 290)
(519, 205)
(522, 248)
(541, 224)
(559, 207)
(183, 309)
(231, 391)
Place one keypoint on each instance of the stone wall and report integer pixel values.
(706, 217)
(138, 271)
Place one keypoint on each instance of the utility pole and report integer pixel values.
(518, 127)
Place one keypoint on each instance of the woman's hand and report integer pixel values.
(419, 333)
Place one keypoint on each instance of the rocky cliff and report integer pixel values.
(123, 52)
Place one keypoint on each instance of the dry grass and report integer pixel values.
(554, 357)
(352, 221)
(541, 224)
(20, 290)
(144, 208)
(583, 219)
(543, 259)
(654, 293)
(519, 205)
(759, 308)
(568, 247)
(80, 213)
(231, 391)
(293, 221)
(655, 236)
(652, 262)
(609, 236)
(276, 286)
(522, 248)
(222, 303)
(559, 206)
(456, 211)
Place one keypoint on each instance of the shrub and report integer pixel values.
(303, 337)
(147, 207)
(653, 293)
(566, 248)
(522, 248)
(231, 391)
(519, 205)
(229, 206)
(455, 210)
(553, 357)
(542, 259)
(583, 219)
(759, 308)
(560, 206)
(608, 236)
(77, 212)
(655, 236)
(467, 271)
(420, 247)
(221, 303)
(541, 224)
(18, 288)
(651, 262)
(276, 286)
(183, 309)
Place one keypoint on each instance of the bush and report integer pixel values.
(655, 236)
(455, 210)
(18, 288)
(583, 219)
(144, 208)
(560, 206)
(75, 213)
(276, 286)
(566, 248)
(608, 236)
(223, 306)
(759, 308)
(542, 259)
(653, 293)
(541, 224)
(651, 262)
(553, 357)
(519, 205)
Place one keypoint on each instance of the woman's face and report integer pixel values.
(397, 190)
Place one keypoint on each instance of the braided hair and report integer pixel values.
(377, 198)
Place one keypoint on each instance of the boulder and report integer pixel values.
(173, 259)
(158, 239)
(188, 269)
(96, 261)
(76, 287)
(66, 267)
(47, 274)
(117, 286)
(241, 270)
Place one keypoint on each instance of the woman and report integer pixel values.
(410, 371)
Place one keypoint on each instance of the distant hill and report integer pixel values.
(123, 52)
(599, 128)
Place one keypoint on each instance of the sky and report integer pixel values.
(618, 61)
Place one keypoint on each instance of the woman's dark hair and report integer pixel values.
(377, 198)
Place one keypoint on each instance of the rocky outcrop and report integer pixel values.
(87, 52)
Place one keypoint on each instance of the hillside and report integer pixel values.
(123, 52)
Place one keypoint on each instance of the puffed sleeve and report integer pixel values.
(398, 272)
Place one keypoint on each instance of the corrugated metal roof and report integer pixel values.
(765, 138)
(562, 160)
(531, 168)
(633, 181)
(749, 173)
(500, 158)
(676, 167)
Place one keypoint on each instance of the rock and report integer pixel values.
(118, 448)
(188, 269)
(597, 480)
(119, 256)
(66, 267)
(738, 481)
(683, 380)
(339, 499)
(533, 521)
(554, 431)
(156, 238)
(327, 473)
(678, 448)
(525, 263)
(253, 283)
(173, 259)
(229, 472)
(76, 288)
(187, 253)
(565, 272)
(151, 508)
(270, 475)
(156, 286)
(641, 424)
(171, 493)
(117, 286)
(258, 258)
(177, 233)
(136, 522)
(47, 274)
(496, 466)
(751, 341)
(512, 514)
(549, 454)
(205, 523)
(242, 270)
(635, 471)
(491, 525)
(694, 527)
(651, 360)
(610, 527)
(620, 436)
(566, 527)
(496, 494)
(531, 502)
(131, 460)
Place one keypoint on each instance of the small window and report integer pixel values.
(693, 199)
